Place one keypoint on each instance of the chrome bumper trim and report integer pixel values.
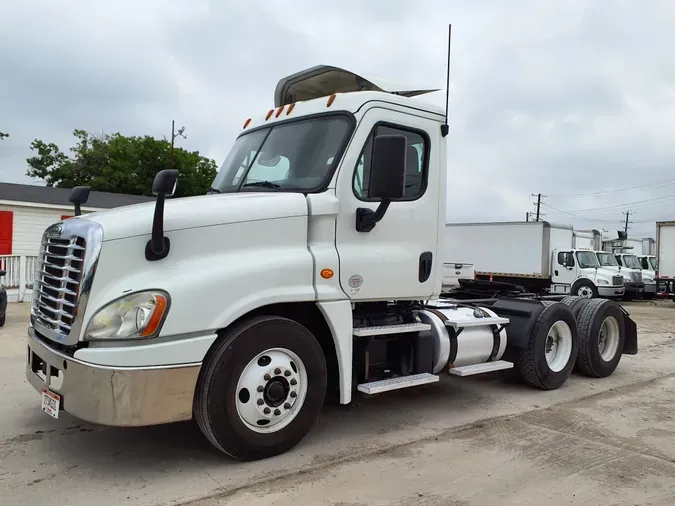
(122, 396)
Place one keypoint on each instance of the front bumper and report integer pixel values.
(118, 396)
(634, 287)
(611, 291)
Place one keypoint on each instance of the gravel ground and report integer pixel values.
(464, 441)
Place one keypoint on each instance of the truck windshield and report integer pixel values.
(587, 259)
(631, 262)
(607, 260)
(293, 156)
(652, 262)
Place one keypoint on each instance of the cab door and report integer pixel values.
(399, 258)
(564, 268)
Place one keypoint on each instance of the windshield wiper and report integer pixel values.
(265, 184)
(212, 190)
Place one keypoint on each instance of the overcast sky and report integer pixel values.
(573, 99)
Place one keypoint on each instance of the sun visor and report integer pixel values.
(324, 80)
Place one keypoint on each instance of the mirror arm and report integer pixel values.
(158, 245)
(366, 218)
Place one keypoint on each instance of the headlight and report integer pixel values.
(137, 315)
(602, 281)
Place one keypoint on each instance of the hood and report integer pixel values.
(609, 271)
(201, 211)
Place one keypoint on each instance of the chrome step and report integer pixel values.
(476, 322)
(470, 370)
(382, 330)
(376, 387)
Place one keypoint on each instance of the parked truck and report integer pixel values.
(244, 308)
(665, 253)
(535, 254)
(618, 243)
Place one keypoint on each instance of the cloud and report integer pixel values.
(568, 98)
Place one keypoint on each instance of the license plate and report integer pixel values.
(50, 403)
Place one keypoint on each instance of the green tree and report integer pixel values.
(119, 164)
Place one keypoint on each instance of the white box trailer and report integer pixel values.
(665, 254)
(537, 255)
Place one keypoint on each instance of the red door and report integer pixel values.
(6, 229)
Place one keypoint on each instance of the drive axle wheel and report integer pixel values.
(601, 337)
(549, 357)
(261, 388)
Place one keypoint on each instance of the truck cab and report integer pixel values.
(580, 270)
(639, 285)
(313, 266)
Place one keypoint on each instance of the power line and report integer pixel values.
(665, 182)
(593, 220)
(637, 203)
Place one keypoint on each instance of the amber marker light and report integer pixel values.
(327, 273)
(247, 122)
(269, 114)
(157, 315)
(331, 99)
(290, 108)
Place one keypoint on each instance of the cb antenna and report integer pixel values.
(444, 127)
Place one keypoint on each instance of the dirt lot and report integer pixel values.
(479, 441)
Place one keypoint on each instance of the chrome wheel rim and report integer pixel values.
(608, 341)
(558, 346)
(271, 390)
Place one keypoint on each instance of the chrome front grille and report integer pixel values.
(617, 280)
(66, 263)
(57, 282)
(636, 277)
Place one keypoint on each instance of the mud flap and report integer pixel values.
(630, 344)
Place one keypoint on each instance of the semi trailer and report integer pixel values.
(245, 308)
(535, 254)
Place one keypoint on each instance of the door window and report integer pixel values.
(416, 163)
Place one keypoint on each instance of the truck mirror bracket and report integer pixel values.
(366, 218)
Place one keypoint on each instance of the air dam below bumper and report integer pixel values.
(611, 291)
(117, 396)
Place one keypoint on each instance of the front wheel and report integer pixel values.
(261, 388)
(585, 289)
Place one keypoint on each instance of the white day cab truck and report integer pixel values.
(242, 309)
(536, 255)
(623, 249)
(665, 253)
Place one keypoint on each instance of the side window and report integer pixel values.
(565, 257)
(416, 163)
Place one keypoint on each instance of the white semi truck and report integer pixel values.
(665, 253)
(538, 255)
(243, 308)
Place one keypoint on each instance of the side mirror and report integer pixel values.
(386, 180)
(2, 272)
(78, 196)
(163, 185)
(387, 168)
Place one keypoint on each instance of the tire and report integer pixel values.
(233, 420)
(532, 363)
(575, 304)
(2, 320)
(584, 288)
(598, 357)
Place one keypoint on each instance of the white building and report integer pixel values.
(25, 212)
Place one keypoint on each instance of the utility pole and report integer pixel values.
(538, 204)
(173, 137)
(625, 228)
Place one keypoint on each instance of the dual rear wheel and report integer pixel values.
(581, 333)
